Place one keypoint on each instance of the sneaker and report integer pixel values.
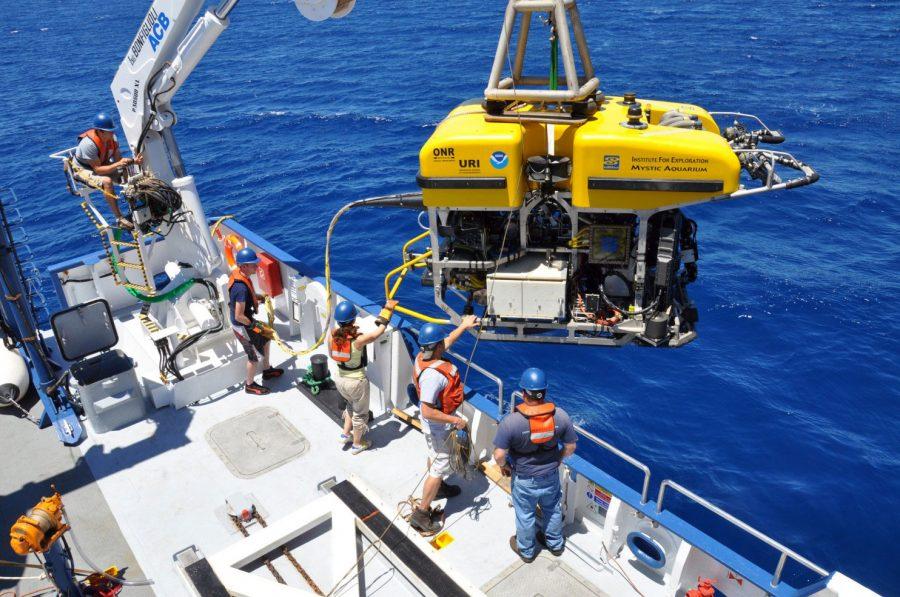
(447, 491)
(515, 547)
(421, 521)
(345, 438)
(365, 445)
(540, 538)
(272, 372)
(256, 388)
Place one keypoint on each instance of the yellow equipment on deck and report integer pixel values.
(37, 530)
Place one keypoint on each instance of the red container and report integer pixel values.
(269, 276)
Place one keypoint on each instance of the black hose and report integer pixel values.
(651, 308)
(171, 364)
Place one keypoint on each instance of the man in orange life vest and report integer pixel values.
(529, 445)
(97, 162)
(440, 393)
(243, 303)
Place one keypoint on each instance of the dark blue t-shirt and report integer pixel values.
(239, 293)
(526, 458)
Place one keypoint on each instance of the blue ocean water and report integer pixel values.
(785, 410)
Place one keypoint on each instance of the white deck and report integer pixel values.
(164, 484)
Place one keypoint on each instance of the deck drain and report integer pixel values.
(256, 442)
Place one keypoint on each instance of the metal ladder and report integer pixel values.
(115, 247)
(29, 274)
(110, 236)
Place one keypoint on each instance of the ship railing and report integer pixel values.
(785, 552)
(645, 491)
(485, 373)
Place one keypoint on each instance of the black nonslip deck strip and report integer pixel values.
(329, 401)
(393, 538)
(205, 580)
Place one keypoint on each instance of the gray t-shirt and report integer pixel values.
(87, 152)
(528, 459)
(431, 384)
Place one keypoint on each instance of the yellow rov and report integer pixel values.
(559, 209)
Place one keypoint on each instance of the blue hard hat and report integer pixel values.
(345, 312)
(246, 256)
(104, 122)
(533, 380)
(430, 334)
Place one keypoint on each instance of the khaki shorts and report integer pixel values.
(87, 176)
(356, 392)
(438, 455)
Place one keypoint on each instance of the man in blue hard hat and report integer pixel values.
(243, 304)
(347, 347)
(97, 162)
(530, 444)
(440, 392)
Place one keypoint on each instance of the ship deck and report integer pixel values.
(166, 487)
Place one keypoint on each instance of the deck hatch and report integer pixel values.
(256, 442)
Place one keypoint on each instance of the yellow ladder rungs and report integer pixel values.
(123, 243)
(138, 287)
(131, 265)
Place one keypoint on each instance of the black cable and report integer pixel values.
(648, 309)
(152, 118)
(193, 339)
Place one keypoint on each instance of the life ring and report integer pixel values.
(232, 245)
(646, 549)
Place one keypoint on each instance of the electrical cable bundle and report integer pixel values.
(167, 357)
(158, 196)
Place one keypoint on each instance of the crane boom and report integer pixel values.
(169, 44)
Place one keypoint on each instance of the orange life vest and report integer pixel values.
(238, 276)
(540, 421)
(107, 148)
(342, 351)
(452, 395)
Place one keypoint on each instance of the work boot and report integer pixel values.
(542, 539)
(515, 547)
(447, 491)
(421, 521)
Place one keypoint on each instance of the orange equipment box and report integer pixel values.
(269, 275)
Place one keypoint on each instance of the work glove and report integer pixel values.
(262, 329)
(386, 312)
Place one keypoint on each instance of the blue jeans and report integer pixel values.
(527, 493)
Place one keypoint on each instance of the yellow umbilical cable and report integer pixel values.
(384, 200)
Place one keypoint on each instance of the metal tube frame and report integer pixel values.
(486, 373)
(785, 551)
(645, 490)
(578, 88)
